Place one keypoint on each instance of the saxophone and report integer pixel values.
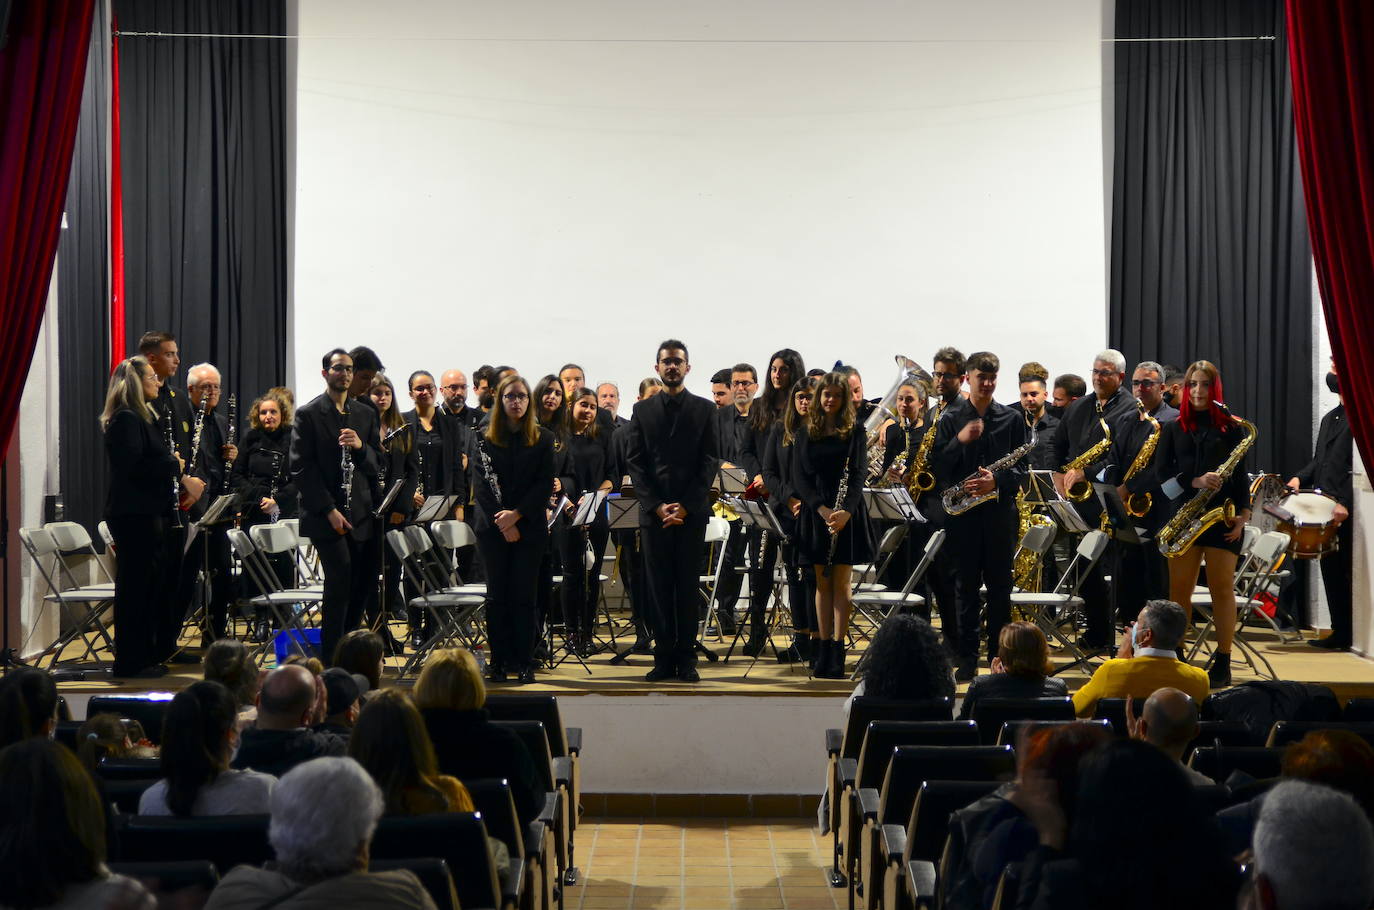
(957, 502)
(921, 479)
(879, 478)
(1083, 489)
(1137, 504)
(1194, 518)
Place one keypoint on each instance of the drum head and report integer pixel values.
(1310, 508)
(1267, 490)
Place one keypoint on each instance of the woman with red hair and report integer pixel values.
(1190, 451)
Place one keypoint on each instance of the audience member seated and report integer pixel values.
(992, 832)
(228, 662)
(1020, 669)
(198, 737)
(1137, 836)
(1146, 661)
(52, 835)
(324, 813)
(282, 738)
(391, 743)
(362, 651)
(1337, 759)
(450, 694)
(906, 660)
(108, 735)
(343, 693)
(316, 667)
(1169, 722)
(1314, 848)
(28, 705)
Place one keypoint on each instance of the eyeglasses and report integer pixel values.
(424, 388)
(454, 388)
(340, 368)
(941, 375)
(515, 396)
(1105, 373)
(208, 386)
(743, 383)
(1144, 383)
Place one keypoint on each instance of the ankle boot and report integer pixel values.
(837, 660)
(1219, 674)
(813, 659)
(820, 666)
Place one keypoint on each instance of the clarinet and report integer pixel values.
(840, 496)
(233, 437)
(275, 512)
(199, 429)
(346, 470)
(488, 473)
(177, 521)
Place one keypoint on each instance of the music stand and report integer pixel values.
(733, 481)
(624, 516)
(892, 504)
(759, 514)
(1120, 521)
(385, 505)
(1067, 516)
(563, 503)
(214, 515)
(436, 508)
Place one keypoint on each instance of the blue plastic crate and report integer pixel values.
(289, 641)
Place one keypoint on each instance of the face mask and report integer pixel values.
(1333, 383)
(1135, 644)
(1169, 397)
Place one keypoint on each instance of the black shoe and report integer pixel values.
(689, 675)
(642, 646)
(967, 670)
(820, 657)
(156, 671)
(1329, 643)
(659, 674)
(754, 647)
(183, 658)
(496, 674)
(527, 676)
(790, 655)
(1219, 674)
(727, 623)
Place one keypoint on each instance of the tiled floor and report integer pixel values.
(702, 864)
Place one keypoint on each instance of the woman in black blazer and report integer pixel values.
(832, 446)
(778, 467)
(588, 468)
(1018, 671)
(512, 476)
(1191, 449)
(144, 477)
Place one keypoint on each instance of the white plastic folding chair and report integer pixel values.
(453, 614)
(1253, 576)
(307, 564)
(875, 606)
(87, 604)
(453, 535)
(292, 608)
(1064, 597)
(71, 537)
(869, 576)
(717, 533)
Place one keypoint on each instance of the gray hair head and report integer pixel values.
(201, 372)
(1315, 847)
(323, 812)
(1150, 366)
(1167, 620)
(1112, 356)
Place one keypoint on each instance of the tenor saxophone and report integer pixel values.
(1196, 516)
(1138, 504)
(957, 501)
(1083, 489)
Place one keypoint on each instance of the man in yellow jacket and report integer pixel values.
(1146, 661)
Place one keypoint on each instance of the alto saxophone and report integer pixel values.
(1138, 504)
(1083, 489)
(921, 479)
(880, 477)
(1195, 517)
(956, 501)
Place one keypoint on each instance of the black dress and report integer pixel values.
(817, 468)
(1184, 456)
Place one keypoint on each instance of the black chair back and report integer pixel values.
(432, 872)
(1213, 797)
(543, 708)
(1290, 731)
(225, 840)
(1229, 733)
(168, 878)
(531, 733)
(129, 768)
(936, 801)
(885, 735)
(1114, 710)
(65, 733)
(1358, 710)
(1258, 762)
(496, 805)
(865, 709)
(912, 766)
(64, 710)
(1012, 730)
(148, 710)
(458, 838)
(991, 713)
(125, 794)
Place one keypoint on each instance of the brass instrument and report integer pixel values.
(909, 373)
(1028, 567)
(877, 476)
(1083, 489)
(922, 479)
(957, 501)
(1195, 517)
(1138, 504)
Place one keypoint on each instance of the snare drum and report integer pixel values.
(1313, 526)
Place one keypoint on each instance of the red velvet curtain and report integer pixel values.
(41, 71)
(1331, 52)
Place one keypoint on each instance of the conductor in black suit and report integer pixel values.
(329, 432)
(672, 458)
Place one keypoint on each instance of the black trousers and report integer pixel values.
(939, 583)
(671, 556)
(761, 581)
(1140, 573)
(220, 580)
(581, 586)
(512, 579)
(350, 586)
(984, 540)
(1337, 580)
(143, 591)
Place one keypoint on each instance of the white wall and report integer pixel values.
(540, 181)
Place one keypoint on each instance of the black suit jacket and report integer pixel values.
(316, 467)
(525, 475)
(141, 467)
(673, 463)
(1329, 469)
(453, 436)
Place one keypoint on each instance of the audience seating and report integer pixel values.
(111, 769)
(1011, 731)
(148, 710)
(564, 742)
(225, 840)
(458, 838)
(168, 878)
(557, 807)
(1114, 710)
(1214, 797)
(991, 713)
(923, 838)
(65, 733)
(1258, 762)
(432, 872)
(910, 767)
(525, 882)
(1358, 710)
(1223, 732)
(1290, 731)
(125, 793)
(845, 744)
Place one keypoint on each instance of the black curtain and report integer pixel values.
(203, 130)
(1210, 257)
(83, 293)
